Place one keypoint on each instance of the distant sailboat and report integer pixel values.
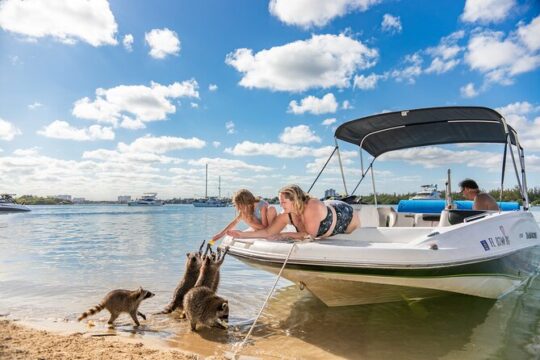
(212, 201)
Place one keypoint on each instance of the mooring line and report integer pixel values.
(239, 348)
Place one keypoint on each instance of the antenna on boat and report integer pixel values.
(219, 187)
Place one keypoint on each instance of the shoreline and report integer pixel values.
(24, 340)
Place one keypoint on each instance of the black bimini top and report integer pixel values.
(385, 132)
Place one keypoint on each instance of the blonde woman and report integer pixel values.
(253, 211)
(311, 217)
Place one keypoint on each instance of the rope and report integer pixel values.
(239, 348)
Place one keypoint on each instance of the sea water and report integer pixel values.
(57, 261)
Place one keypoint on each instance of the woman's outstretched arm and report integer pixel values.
(275, 228)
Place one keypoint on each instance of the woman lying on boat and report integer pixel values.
(311, 217)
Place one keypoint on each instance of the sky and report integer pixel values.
(106, 98)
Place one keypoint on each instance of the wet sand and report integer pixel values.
(22, 342)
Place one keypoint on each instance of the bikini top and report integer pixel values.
(324, 225)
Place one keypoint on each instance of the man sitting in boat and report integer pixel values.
(482, 200)
(310, 217)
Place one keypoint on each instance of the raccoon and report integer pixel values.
(203, 306)
(119, 301)
(209, 274)
(191, 274)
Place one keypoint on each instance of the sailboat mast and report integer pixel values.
(219, 188)
(206, 184)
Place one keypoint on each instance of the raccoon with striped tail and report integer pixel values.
(119, 301)
(191, 274)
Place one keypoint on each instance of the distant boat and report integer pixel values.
(7, 204)
(427, 192)
(211, 201)
(148, 199)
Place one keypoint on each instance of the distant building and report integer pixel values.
(329, 193)
(78, 200)
(63, 197)
(124, 199)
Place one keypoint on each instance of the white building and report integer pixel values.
(329, 193)
(63, 197)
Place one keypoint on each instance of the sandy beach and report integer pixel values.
(23, 342)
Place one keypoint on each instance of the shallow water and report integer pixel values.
(57, 261)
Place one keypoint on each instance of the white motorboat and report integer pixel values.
(7, 204)
(397, 256)
(427, 192)
(148, 199)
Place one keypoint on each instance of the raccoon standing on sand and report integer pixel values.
(191, 274)
(119, 301)
(203, 306)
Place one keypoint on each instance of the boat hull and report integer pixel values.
(13, 208)
(488, 258)
(357, 286)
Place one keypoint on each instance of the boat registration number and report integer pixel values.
(495, 242)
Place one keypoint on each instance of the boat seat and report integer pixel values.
(387, 216)
(457, 216)
(423, 220)
(369, 216)
(404, 220)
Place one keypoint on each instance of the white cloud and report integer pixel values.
(62, 130)
(500, 58)
(444, 57)
(486, 11)
(161, 145)
(412, 69)
(320, 62)
(163, 42)
(308, 13)
(524, 117)
(530, 34)
(145, 103)
(300, 134)
(216, 144)
(346, 105)
(433, 156)
(132, 124)
(279, 150)
(194, 105)
(328, 122)
(324, 105)
(212, 87)
(229, 125)
(35, 105)
(391, 24)
(65, 20)
(220, 165)
(367, 82)
(128, 42)
(468, 91)
(7, 130)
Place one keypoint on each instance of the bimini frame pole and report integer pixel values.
(503, 168)
(373, 183)
(364, 173)
(341, 168)
(522, 187)
(521, 154)
(320, 172)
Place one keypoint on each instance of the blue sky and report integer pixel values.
(100, 99)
